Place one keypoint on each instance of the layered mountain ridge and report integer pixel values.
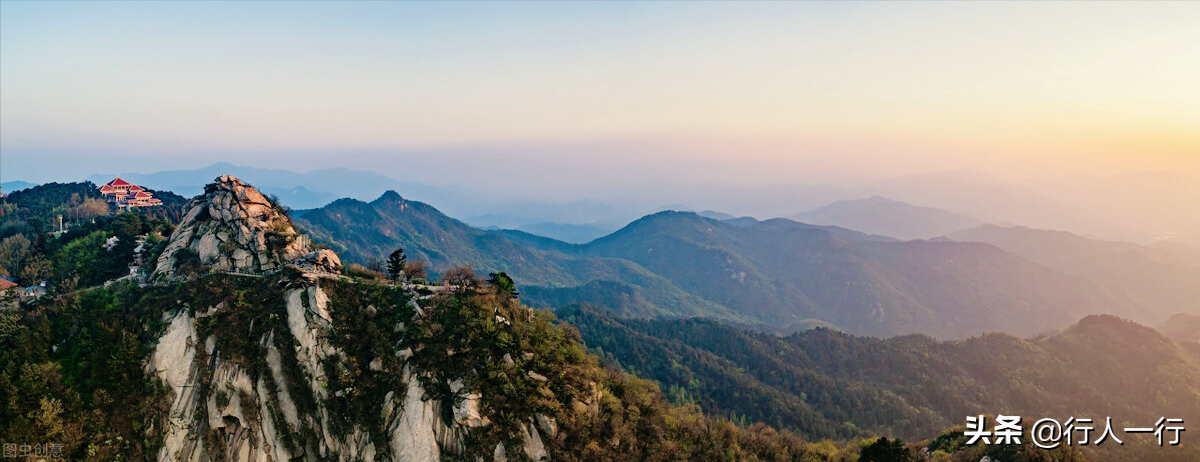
(776, 275)
(884, 216)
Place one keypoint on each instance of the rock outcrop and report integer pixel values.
(323, 260)
(233, 227)
(265, 395)
(257, 418)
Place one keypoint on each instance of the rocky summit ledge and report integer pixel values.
(233, 227)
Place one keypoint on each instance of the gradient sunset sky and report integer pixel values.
(771, 91)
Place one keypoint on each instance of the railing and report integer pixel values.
(300, 264)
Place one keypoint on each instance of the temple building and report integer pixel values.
(124, 194)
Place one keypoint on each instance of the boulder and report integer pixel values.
(547, 424)
(242, 259)
(325, 260)
(536, 376)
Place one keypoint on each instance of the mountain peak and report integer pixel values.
(234, 227)
(223, 165)
(878, 198)
(390, 196)
(888, 217)
(666, 216)
(1111, 328)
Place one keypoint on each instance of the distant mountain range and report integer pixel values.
(1137, 208)
(296, 190)
(1182, 327)
(879, 215)
(1161, 203)
(363, 230)
(1167, 280)
(777, 275)
(567, 232)
(10, 186)
(575, 226)
(575, 221)
(774, 274)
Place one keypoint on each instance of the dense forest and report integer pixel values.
(35, 209)
(31, 253)
(824, 382)
(82, 256)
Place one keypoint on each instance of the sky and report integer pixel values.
(558, 95)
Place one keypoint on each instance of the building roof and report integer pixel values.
(5, 284)
(123, 194)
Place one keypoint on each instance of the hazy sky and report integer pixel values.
(601, 91)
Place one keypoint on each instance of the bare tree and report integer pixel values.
(460, 276)
(88, 208)
(375, 265)
(415, 269)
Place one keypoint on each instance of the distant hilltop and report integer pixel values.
(123, 194)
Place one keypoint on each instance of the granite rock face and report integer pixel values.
(221, 410)
(233, 227)
(227, 408)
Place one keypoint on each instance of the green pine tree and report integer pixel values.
(395, 264)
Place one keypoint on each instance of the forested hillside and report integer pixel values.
(30, 254)
(823, 382)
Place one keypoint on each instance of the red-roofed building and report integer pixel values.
(124, 194)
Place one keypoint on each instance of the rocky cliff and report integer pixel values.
(280, 406)
(264, 365)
